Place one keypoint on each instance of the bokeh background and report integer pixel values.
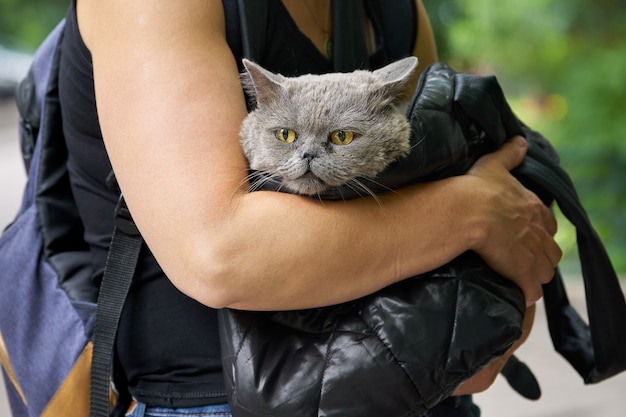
(562, 64)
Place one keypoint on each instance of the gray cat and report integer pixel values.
(315, 132)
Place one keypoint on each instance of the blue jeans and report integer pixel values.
(451, 407)
(140, 410)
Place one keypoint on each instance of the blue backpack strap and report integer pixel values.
(46, 332)
(31, 98)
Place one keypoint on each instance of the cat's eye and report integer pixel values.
(341, 137)
(285, 135)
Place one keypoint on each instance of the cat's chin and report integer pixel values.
(308, 184)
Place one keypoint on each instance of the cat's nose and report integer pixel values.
(308, 156)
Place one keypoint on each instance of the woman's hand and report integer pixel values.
(517, 239)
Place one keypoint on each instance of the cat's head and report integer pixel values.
(318, 131)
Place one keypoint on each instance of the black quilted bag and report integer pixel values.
(402, 350)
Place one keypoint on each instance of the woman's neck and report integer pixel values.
(314, 19)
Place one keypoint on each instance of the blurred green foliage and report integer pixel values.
(562, 64)
(30, 20)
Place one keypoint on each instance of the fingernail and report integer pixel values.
(519, 140)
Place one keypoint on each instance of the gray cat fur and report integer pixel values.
(313, 106)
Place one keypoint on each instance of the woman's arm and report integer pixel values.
(425, 46)
(170, 106)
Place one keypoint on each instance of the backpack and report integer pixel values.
(48, 301)
(46, 327)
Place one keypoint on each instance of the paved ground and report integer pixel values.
(564, 394)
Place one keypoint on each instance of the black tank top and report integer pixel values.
(167, 346)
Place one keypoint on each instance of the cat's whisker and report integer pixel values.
(281, 186)
(353, 188)
(276, 179)
(364, 188)
(256, 180)
(248, 183)
(380, 184)
(244, 182)
(418, 143)
(343, 198)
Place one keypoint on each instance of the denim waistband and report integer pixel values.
(141, 410)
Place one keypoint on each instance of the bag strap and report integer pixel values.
(398, 22)
(121, 263)
(253, 23)
(349, 50)
(596, 350)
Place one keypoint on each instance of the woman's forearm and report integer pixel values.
(285, 252)
(279, 251)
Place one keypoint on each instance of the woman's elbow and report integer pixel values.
(209, 276)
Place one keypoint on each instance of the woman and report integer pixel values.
(169, 106)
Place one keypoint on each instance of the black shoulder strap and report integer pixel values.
(349, 49)
(253, 21)
(246, 27)
(124, 250)
(397, 19)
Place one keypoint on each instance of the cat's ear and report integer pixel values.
(260, 83)
(397, 74)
